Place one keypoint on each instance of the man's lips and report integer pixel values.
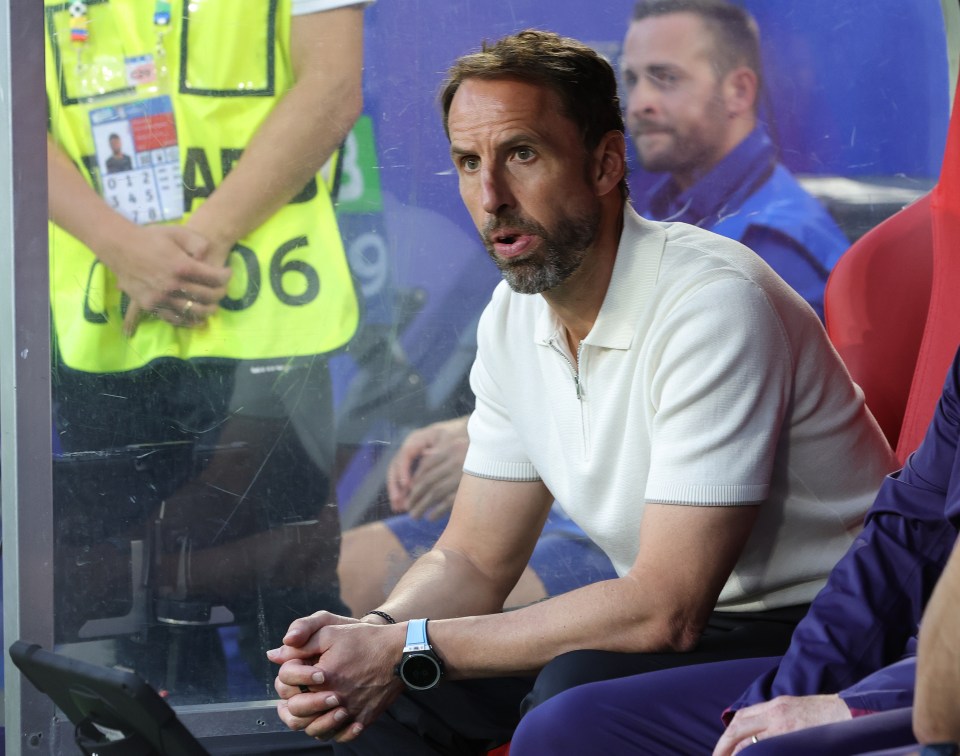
(512, 246)
(509, 244)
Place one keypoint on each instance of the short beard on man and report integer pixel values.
(564, 250)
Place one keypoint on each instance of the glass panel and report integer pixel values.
(194, 511)
(203, 476)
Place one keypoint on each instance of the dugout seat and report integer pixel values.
(892, 306)
(875, 308)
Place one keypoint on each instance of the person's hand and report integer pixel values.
(425, 473)
(218, 245)
(781, 715)
(301, 641)
(336, 674)
(164, 271)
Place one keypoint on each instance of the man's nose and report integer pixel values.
(496, 193)
(641, 98)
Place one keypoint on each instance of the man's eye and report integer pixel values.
(524, 153)
(664, 78)
(629, 80)
(470, 163)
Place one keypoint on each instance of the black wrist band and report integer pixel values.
(386, 616)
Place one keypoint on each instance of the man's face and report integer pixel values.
(524, 178)
(115, 145)
(675, 109)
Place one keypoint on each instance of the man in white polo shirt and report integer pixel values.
(679, 398)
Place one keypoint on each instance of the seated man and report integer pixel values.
(855, 653)
(723, 175)
(422, 481)
(661, 381)
(692, 76)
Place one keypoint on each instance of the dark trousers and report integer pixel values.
(676, 712)
(471, 717)
(669, 712)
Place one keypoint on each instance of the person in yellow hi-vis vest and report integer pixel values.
(196, 287)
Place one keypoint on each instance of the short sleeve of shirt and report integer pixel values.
(303, 7)
(720, 380)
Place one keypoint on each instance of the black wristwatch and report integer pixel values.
(419, 668)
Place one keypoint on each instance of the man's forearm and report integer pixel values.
(613, 615)
(433, 588)
(661, 604)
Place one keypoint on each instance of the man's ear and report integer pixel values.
(740, 91)
(609, 162)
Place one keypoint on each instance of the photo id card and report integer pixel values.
(139, 159)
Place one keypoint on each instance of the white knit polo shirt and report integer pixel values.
(705, 381)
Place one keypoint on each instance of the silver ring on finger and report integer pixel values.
(754, 740)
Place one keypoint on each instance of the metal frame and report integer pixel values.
(24, 365)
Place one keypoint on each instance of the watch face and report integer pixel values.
(420, 671)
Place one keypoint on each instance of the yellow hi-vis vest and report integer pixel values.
(291, 293)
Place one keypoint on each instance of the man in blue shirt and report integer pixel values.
(692, 76)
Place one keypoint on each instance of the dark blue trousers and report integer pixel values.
(672, 711)
(677, 711)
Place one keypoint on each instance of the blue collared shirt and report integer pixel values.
(750, 197)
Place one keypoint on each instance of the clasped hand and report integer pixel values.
(173, 273)
(336, 674)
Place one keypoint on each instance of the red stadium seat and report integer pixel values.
(892, 306)
(875, 307)
(942, 333)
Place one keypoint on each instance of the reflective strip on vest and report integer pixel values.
(291, 293)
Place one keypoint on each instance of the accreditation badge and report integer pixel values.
(139, 158)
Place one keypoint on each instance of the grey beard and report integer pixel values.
(563, 254)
